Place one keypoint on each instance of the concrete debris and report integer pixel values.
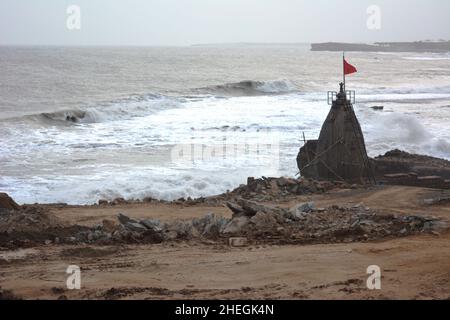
(304, 223)
(135, 226)
(152, 224)
(109, 226)
(123, 219)
(237, 242)
(210, 226)
(236, 225)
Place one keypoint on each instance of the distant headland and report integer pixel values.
(418, 46)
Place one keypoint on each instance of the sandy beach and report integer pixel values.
(413, 267)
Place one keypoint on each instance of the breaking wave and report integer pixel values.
(251, 88)
(124, 109)
(406, 132)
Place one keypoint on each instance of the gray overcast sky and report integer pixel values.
(185, 22)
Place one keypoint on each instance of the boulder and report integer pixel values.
(170, 235)
(247, 208)
(210, 225)
(264, 221)
(181, 229)
(7, 203)
(123, 219)
(134, 226)
(236, 225)
(236, 209)
(109, 226)
(151, 223)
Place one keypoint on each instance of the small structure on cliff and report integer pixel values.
(340, 152)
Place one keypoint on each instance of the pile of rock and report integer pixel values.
(252, 221)
(129, 230)
(306, 224)
(272, 189)
(33, 225)
(263, 189)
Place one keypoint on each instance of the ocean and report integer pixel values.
(82, 124)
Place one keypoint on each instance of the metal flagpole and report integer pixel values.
(343, 67)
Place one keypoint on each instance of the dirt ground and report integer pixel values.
(416, 267)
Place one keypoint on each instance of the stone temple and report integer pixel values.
(340, 152)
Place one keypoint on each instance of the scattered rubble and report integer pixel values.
(263, 189)
(303, 223)
(269, 189)
(33, 225)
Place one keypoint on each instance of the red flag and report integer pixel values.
(348, 68)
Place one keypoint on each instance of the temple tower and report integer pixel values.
(340, 152)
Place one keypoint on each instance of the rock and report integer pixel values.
(109, 226)
(210, 225)
(251, 208)
(236, 225)
(170, 235)
(123, 219)
(237, 242)
(152, 224)
(152, 236)
(71, 239)
(264, 221)
(236, 209)
(135, 226)
(303, 208)
(102, 202)
(377, 108)
(182, 229)
(7, 203)
(282, 182)
(428, 226)
(245, 208)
